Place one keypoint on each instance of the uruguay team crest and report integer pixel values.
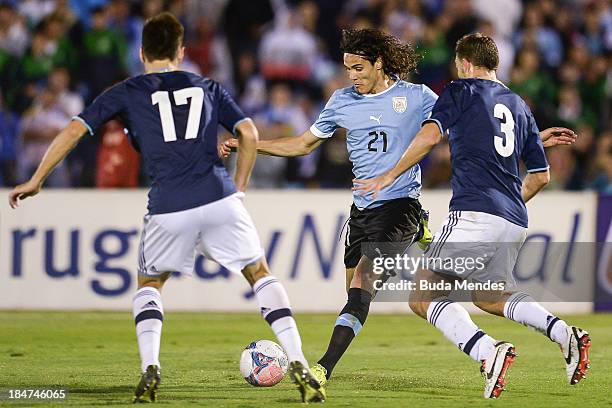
(399, 104)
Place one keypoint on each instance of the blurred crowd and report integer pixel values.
(280, 60)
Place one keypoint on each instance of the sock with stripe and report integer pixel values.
(275, 308)
(455, 323)
(148, 315)
(523, 309)
(348, 324)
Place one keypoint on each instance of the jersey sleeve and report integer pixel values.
(429, 100)
(326, 123)
(230, 114)
(106, 106)
(533, 151)
(448, 106)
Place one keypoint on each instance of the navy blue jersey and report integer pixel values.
(490, 130)
(172, 119)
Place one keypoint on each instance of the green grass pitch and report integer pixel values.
(397, 361)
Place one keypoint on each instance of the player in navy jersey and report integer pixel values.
(194, 206)
(382, 113)
(490, 130)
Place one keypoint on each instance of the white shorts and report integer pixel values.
(476, 245)
(222, 231)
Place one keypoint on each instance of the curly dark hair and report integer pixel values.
(398, 58)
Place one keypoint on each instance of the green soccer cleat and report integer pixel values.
(426, 236)
(319, 373)
(147, 387)
(309, 387)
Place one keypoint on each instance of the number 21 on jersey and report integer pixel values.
(501, 112)
(162, 98)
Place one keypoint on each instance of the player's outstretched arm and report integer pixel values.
(290, 146)
(423, 142)
(63, 143)
(557, 136)
(533, 183)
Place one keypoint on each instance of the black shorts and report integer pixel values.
(396, 221)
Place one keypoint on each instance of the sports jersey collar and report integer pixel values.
(396, 79)
(497, 81)
(163, 71)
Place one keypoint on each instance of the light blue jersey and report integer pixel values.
(380, 127)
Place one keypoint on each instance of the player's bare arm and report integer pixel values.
(533, 183)
(63, 143)
(247, 140)
(290, 146)
(424, 141)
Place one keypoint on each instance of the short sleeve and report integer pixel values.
(533, 151)
(429, 100)
(230, 114)
(448, 107)
(106, 106)
(326, 123)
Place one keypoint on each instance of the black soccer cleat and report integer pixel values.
(147, 387)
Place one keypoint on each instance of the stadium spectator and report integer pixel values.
(281, 118)
(129, 27)
(602, 181)
(250, 85)
(504, 15)
(14, 35)
(533, 84)
(434, 67)
(118, 164)
(288, 50)
(33, 69)
(534, 32)
(39, 126)
(68, 102)
(56, 27)
(104, 55)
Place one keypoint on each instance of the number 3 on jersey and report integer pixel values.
(501, 112)
(162, 98)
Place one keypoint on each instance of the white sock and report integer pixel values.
(275, 308)
(148, 315)
(455, 323)
(523, 309)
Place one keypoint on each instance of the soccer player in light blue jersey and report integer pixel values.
(382, 113)
(491, 130)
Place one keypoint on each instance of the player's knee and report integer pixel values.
(419, 302)
(418, 307)
(488, 301)
(488, 306)
(358, 304)
(256, 271)
(156, 282)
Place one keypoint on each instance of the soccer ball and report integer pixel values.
(263, 363)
